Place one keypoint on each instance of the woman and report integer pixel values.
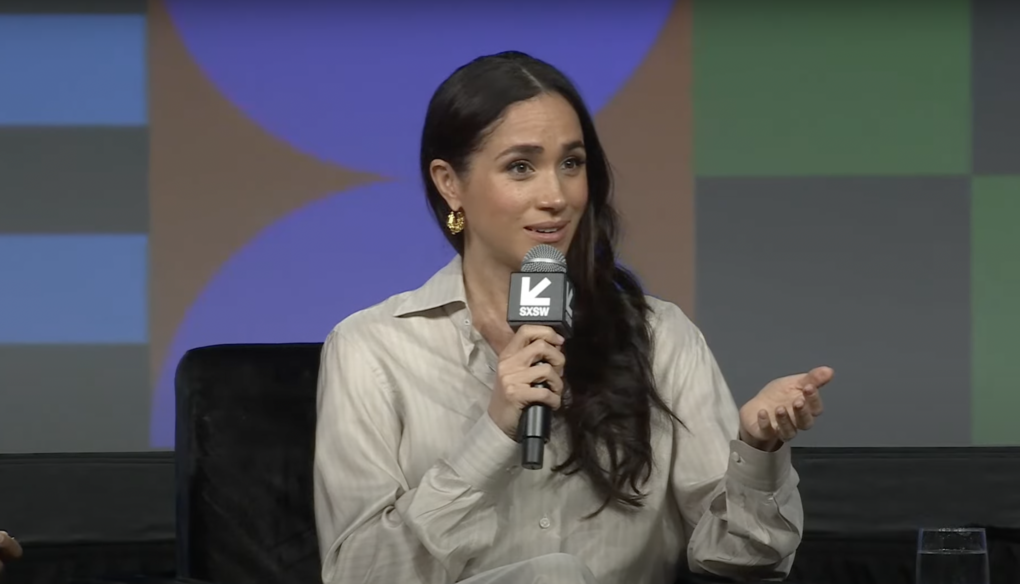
(417, 472)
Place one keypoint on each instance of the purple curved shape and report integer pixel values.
(349, 82)
(307, 272)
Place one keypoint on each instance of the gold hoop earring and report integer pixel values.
(455, 222)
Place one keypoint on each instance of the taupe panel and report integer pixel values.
(74, 180)
(869, 276)
(74, 398)
(216, 179)
(647, 130)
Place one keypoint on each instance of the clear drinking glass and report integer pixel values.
(952, 556)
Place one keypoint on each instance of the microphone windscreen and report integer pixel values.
(544, 258)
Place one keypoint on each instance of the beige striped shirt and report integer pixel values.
(414, 483)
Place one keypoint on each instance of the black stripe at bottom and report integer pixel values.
(74, 7)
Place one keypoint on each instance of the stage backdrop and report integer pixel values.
(813, 182)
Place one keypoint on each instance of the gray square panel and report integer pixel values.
(995, 55)
(74, 398)
(56, 179)
(867, 275)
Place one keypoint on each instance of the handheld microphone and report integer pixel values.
(539, 294)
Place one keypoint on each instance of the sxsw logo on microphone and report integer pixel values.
(541, 298)
(532, 304)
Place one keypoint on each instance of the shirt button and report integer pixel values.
(735, 457)
(544, 523)
(467, 322)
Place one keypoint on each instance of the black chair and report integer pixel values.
(244, 453)
(244, 448)
(245, 442)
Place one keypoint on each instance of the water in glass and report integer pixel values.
(952, 556)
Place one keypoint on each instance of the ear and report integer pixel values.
(447, 183)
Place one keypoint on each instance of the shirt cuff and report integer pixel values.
(759, 470)
(486, 458)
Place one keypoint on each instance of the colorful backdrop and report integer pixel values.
(813, 182)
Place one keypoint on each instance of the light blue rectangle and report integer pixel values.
(73, 69)
(73, 289)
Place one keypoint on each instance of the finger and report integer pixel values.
(9, 547)
(528, 334)
(540, 351)
(784, 424)
(814, 401)
(539, 395)
(545, 372)
(541, 373)
(802, 417)
(817, 377)
(768, 431)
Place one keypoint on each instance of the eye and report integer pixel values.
(573, 163)
(519, 167)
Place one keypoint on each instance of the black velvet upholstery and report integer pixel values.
(245, 441)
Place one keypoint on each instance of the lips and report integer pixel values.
(548, 227)
(548, 232)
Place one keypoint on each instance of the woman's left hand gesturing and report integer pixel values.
(782, 408)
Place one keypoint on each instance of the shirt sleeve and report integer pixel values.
(741, 507)
(372, 525)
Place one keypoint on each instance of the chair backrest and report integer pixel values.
(245, 440)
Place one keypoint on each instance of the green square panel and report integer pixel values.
(995, 309)
(787, 87)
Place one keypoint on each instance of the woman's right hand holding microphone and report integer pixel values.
(533, 355)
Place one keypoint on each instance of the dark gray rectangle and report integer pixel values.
(872, 491)
(74, 7)
(88, 498)
(995, 55)
(74, 180)
(870, 276)
(74, 398)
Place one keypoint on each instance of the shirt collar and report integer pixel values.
(445, 290)
(444, 287)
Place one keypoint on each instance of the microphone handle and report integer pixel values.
(533, 432)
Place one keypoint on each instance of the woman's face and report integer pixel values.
(526, 186)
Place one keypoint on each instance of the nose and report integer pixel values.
(552, 197)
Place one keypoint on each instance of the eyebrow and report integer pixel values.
(530, 149)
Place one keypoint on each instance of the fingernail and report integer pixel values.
(798, 404)
(781, 411)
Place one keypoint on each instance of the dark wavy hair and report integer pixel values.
(609, 408)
